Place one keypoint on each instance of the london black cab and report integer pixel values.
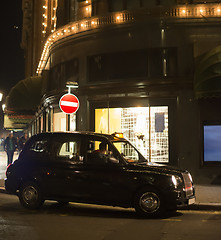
(95, 168)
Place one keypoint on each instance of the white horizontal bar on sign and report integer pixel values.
(69, 104)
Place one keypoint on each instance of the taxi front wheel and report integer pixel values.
(149, 203)
(30, 195)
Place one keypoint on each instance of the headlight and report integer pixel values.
(176, 180)
(190, 177)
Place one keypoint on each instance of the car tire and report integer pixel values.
(30, 196)
(149, 203)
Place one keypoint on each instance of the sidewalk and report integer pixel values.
(3, 163)
(208, 197)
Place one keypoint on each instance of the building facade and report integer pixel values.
(149, 69)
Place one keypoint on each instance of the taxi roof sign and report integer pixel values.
(118, 135)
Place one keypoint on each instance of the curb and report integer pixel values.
(202, 206)
(205, 206)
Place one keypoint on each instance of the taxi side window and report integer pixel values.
(71, 151)
(38, 146)
(99, 152)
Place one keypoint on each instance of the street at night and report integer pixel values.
(110, 102)
(78, 221)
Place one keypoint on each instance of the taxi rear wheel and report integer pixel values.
(149, 203)
(30, 196)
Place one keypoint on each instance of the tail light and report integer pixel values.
(7, 173)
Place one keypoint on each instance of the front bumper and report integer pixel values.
(179, 198)
(184, 199)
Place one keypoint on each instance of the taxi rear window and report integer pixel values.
(39, 146)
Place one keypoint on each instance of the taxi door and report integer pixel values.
(104, 176)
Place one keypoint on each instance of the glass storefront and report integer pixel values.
(61, 122)
(145, 127)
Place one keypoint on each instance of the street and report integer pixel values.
(78, 221)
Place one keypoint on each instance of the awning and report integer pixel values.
(22, 103)
(207, 80)
(25, 95)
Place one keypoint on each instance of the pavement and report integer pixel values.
(208, 197)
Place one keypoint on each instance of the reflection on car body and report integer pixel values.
(73, 167)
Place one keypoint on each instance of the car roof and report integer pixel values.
(78, 133)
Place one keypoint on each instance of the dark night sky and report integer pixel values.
(12, 56)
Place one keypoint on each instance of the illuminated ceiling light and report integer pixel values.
(201, 10)
(218, 10)
(118, 17)
(183, 11)
(72, 28)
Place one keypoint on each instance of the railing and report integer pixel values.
(182, 11)
(194, 11)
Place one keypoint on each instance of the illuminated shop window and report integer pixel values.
(60, 122)
(145, 127)
(212, 143)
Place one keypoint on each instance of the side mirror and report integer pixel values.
(113, 160)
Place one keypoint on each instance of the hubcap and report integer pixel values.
(149, 202)
(30, 195)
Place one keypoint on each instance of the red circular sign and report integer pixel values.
(69, 103)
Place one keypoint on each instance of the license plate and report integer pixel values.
(192, 201)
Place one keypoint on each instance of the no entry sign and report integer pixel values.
(69, 103)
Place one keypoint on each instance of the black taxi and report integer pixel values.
(95, 168)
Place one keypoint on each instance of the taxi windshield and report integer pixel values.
(129, 152)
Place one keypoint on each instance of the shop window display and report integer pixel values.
(145, 127)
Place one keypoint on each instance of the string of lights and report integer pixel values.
(90, 23)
